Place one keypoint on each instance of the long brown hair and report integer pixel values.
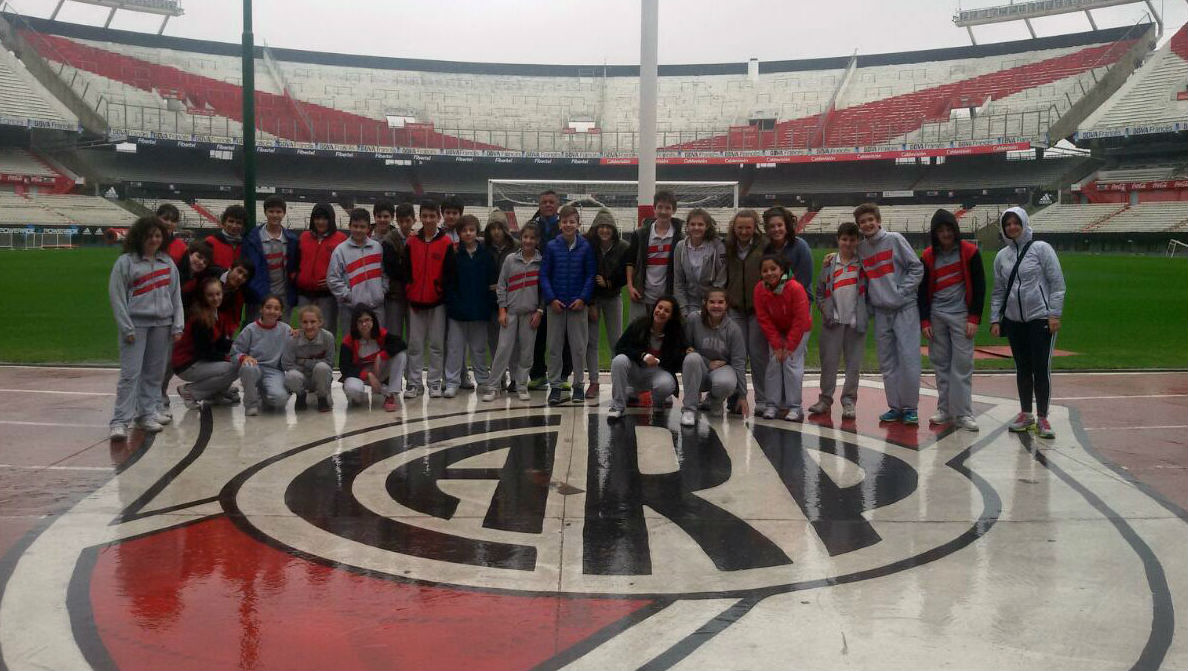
(202, 311)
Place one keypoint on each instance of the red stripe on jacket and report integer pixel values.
(363, 261)
(149, 277)
(361, 277)
(885, 269)
(968, 249)
(159, 284)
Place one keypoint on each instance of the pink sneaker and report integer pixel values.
(1043, 429)
(390, 403)
(1022, 422)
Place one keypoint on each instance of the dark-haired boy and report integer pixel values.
(356, 275)
(273, 249)
(650, 259)
(841, 298)
(226, 243)
(427, 256)
(451, 213)
(392, 243)
(893, 274)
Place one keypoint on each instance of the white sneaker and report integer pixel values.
(967, 423)
(150, 425)
(688, 417)
(523, 394)
(795, 415)
(251, 411)
(614, 413)
(434, 392)
(489, 395)
(769, 412)
(848, 411)
(412, 392)
(450, 392)
(941, 417)
(164, 417)
(118, 432)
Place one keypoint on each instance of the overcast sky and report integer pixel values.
(598, 31)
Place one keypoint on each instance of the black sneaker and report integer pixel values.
(300, 404)
(555, 396)
(323, 404)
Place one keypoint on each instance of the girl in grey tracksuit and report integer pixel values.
(699, 264)
(146, 303)
(1027, 311)
(517, 292)
(258, 350)
(718, 362)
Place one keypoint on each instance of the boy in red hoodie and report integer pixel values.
(782, 310)
(429, 255)
(227, 243)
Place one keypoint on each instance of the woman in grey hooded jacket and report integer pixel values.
(700, 263)
(1026, 307)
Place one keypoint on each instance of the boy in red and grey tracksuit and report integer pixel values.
(950, 300)
(841, 297)
(893, 274)
(356, 274)
(428, 255)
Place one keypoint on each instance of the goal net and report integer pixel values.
(520, 197)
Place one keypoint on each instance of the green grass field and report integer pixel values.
(1121, 311)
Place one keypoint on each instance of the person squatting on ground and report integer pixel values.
(356, 274)
(648, 357)
(841, 297)
(200, 357)
(469, 304)
(429, 254)
(308, 360)
(275, 251)
(649, 265)
(517, 293)
(145, 293)
(610, 276)
(717, 364)
(951, 297)
(372, 359)
(566, 287)
(257, 350)
(699, 263)
(744, 251)
(315, 247)
(782, 309)
(1026, 307)
(893, 274)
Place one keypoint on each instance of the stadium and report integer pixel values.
(466, 534)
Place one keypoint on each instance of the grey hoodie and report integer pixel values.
(1038, 291)
(303, 354)
(893, 271)
(518, 288)
(267, 345)
(723, 343)
(689, 286)
(145, 292)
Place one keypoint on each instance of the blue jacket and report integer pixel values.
(468, 293)
(567, 275)
(260, 286)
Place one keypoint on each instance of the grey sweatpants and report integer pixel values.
(951, 354)
(266, 381)
(897, 340)
(836, 342)
(628, 376)
(207, 380)
(356, 389)
(610, 315)
(516, 338)
(466, 337)
(697, 378)
(571, 325)
(329, 307)
(426, 325)
(784, 379)
(316, 380)
(757, 352)
(142, 367)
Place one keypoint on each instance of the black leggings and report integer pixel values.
(1031, 347)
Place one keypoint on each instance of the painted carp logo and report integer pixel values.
(530, 501)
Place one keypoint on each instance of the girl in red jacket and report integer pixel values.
(782, 309)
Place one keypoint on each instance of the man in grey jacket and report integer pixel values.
(893, 274)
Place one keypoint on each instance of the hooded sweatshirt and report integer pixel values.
(226, 248)
(356, 274)
(468, 289)
(314, 253)
(303, 354)
(145, 291)
(610, 263)
(696, 270)
(265, 343)
(893, 271)
(954, 281)
(724, 342)
(510, 245)
(840, 282)
(518, 288)
(1038, 291)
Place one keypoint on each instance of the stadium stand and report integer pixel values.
(158, 167)
(1152, 98)
(190, 218)
(1062, 218)
(1145, 217)
(84, 210)
(17, 210)
(998, 172)
(1147, 173)
(25, 100)
(14, 161)
(899, 218)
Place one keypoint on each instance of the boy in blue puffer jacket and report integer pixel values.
(566, 286)
(470, 300)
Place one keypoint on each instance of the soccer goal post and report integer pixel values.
(521, 197)
(1175, 247)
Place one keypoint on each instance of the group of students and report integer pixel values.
(525, 313)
